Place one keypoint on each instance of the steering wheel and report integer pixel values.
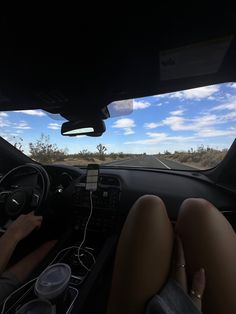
(23, 189)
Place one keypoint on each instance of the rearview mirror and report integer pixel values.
(89, 128)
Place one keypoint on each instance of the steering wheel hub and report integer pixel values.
(29, 195)
(15, 204)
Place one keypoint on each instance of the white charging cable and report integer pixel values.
(85, 230)
(28, 282)
(21, 287)
(73, 247)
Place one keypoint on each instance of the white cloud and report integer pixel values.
(3, 114)
(38, 113)
(177, 112)
(155, 138)
(227, 106)
(233, 85)
(231, 116)
(128, 131)
(54, 126)
(179, 123)
(164, 136)
(158, 105)
(196, 93)
(156, 135)
(160, 96)
(140, 104)
(212, 132)
(126, 125)
(22, 125)
(4, 122)
(202, 126)
(151, 125)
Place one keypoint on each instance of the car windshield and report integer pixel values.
(190, 129)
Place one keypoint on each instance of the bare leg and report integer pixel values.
(210, 242)
(143, 257)
(25, 267)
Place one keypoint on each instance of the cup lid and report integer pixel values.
(36, 306)
(53, 281)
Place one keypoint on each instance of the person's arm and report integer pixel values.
(17, 231)
(7, 247)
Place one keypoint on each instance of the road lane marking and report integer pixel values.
(163, 163)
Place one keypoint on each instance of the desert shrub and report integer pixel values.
(184, 157)
(204, 156)
(85, 154)
(212, 157)
(113, 155)
(17, 142)
(121, 155)
(43, 151)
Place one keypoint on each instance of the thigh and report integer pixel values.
(143, 256)
(210, 242)
(8, 284)
(23, 269)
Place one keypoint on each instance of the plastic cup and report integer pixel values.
(53, 282)
(36, 306)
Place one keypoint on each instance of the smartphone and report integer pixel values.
(92, 177)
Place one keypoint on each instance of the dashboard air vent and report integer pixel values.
(108, 180)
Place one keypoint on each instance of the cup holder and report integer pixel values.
(70, 257)
(36, 306)
(52, 291)
(77, 273)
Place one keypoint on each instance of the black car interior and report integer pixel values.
(76, 67)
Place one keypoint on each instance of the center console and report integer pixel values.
(106, 201)
(81, 282)
(27, 294)
(67, 256)
(93, 254)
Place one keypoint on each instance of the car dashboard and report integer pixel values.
(102, 214)
(120, 187)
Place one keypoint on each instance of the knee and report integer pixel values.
(150, 202)
(198, 205)
(149, 206)
(195, 211)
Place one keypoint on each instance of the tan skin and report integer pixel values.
(16, 232)
(142, 262)
(210, 241)
(180, 275)
(145, 257)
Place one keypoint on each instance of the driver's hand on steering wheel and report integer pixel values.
(24, 225)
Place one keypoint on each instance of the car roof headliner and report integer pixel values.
(77, 64)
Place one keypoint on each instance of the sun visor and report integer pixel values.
(194, 60)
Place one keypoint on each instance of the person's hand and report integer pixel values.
(179, 274)
(23, 226)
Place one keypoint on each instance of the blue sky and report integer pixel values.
(175, 121)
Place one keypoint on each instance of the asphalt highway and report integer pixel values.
(151, 162)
